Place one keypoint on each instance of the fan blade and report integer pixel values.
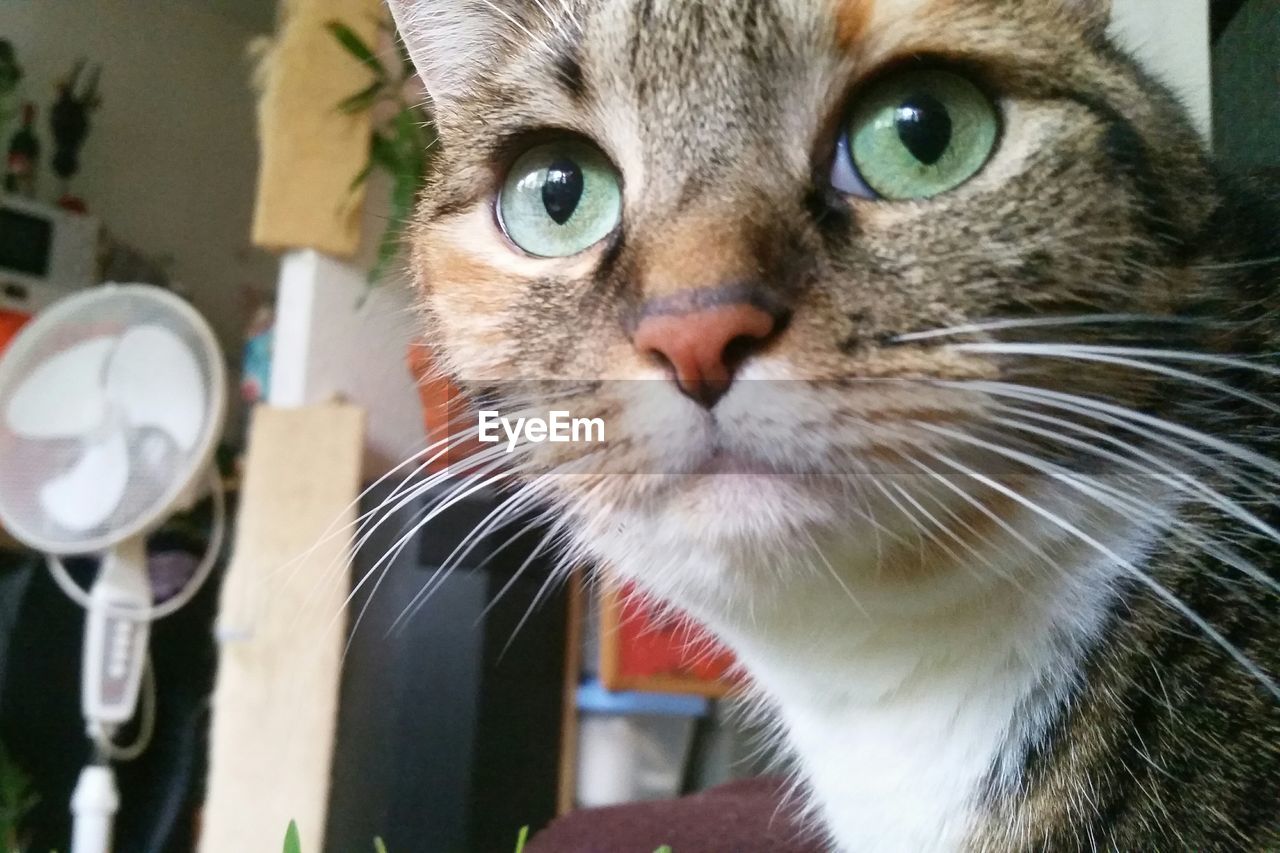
(84, 497)
(63, 398)
(156, 382)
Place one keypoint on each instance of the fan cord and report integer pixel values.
(76, 593)
(101, 735)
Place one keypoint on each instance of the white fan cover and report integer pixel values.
(110, 403)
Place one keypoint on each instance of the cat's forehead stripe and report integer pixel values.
(886, 19)
(857, 20)
(852, 18)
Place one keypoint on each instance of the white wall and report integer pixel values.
(1171, 37)
(171, 161)
(337, 339)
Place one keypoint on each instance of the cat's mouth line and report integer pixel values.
(722, 462)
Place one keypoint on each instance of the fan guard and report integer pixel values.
(111, 402)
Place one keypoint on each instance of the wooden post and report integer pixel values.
(567, 787)
(282, 627)
(311, 151)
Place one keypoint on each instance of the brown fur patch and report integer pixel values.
(451, 264)
(852, 18)
(700, 252)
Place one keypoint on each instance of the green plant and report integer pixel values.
(293, 842)
(16, 801)
(402, 137)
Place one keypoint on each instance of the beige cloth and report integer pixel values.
(310, 151)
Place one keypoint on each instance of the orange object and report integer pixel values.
(10, 323)
(446, 412)
(648, 648)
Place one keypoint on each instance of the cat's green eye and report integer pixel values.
(916, 134)
(561, 198)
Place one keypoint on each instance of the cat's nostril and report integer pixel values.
(703, 349)
(738, 350)
(658, 358)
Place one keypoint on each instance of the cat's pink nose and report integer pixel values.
(704, 348)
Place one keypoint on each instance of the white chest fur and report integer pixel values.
(900, 732)
(903, 705)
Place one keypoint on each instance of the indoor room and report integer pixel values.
(639, 426)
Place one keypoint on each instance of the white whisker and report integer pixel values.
(1025, 393)
(1093, 355)
(1159, 590)
(478, 482)
(1182, 481)
(1133, 505)
(1075, 350)
(835, 576)
(1042, 323)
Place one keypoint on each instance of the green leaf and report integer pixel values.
(414, 136)
(410, 134)
(522, 840)
(292, 840)
(404, 198)
(362, 177)
(16, 800)
(379, 846)
(357, 47)
(363, 100)
(388, 250)
(664, 849)
(384, 151)
(400, 145)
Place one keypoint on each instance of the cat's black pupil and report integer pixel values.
(563, 190)
(924, 126)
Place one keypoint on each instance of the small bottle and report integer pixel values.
(24, 156)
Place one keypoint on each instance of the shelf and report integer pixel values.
(594, 698)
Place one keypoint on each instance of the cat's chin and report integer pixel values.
(739, 501)
(731, 505)
(738, 466)
(710, 542)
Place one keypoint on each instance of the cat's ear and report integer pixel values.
(452, 42)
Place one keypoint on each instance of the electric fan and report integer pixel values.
(111, 402)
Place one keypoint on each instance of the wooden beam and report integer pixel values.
(311, 150)
(567, 786)
(282, 629)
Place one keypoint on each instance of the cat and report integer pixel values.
(931, 347)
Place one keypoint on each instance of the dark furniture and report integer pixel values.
(751, 816)
(448, 727)
(41, 632)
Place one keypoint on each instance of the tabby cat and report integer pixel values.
(933, 352)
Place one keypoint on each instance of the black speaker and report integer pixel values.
(449, 724)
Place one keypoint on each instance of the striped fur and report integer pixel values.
(1003, 560)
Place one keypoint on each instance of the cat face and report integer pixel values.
(748, 236)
